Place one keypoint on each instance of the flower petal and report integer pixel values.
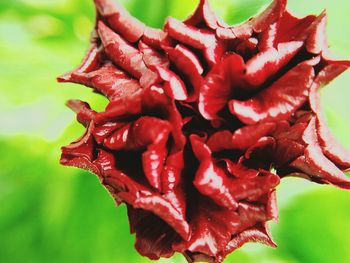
(205, 14)
(245, 137)
(270, 15)
(173, 85)
(211, 180)
(120, 20)
(197, 38)
(154, 237)
(330, 146)
(279, 101)
(267, 63)
(90, 63)
(217, 87)
(120, 52)
(212, 227)
(315, 164)
(81, 153)
(219, 141)
(255, 234)
(316, 40)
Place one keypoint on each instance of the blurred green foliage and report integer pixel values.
(53, 214)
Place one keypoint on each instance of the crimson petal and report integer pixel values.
(217, 86)
(245, 137)
(315, 164)
(120, 20)
(269, 62)
(280, 100)
(203, 13)
(90, 63)
(212, 227)
(211, 180)
(120, 52)
(270, 15)
(330, 146)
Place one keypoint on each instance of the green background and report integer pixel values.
(49, 213)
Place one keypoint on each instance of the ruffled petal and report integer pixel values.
(120, 20)
(330, 146)
(120, 52)
(267, 63)
(217, 88)
(279, 101)
(211, 180)
(90, 63)
(316, 165)
(247, 136)
(205, 14)
(270, 15)
(212, 227)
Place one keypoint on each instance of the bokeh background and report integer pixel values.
(49, 213)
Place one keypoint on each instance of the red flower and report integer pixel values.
(203, 121)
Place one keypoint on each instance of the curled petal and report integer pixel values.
(212, 227)
(245, 137)
(141, 133)
(101, 132)
(315, 164)
(81, 153)
(154, 37)
(120, 52)
(120, 20)
(239, 170)
(243, 31)
(121, 108)
(330, 146)
(294, 132)
(109, 81)
(197, 38)
(260, 154)
(257, 24)
(146, 132)
(271, 208)
(288, 28)
(269, 16)
(287, 151)
(151, 57)
(84, 113)
(219, 141)
(256, 234)
(173, 85)
(90, 63)
(153, 164)
(211, 180)
(205, 14)
(251, 214)
(316, 40)
(189, 65)
(279, 101)
(264, 65)
(140, 197)
(171, 177)
(251, 189)
(217, 87)
(189, 35)
(153, 243)
(185, 60)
